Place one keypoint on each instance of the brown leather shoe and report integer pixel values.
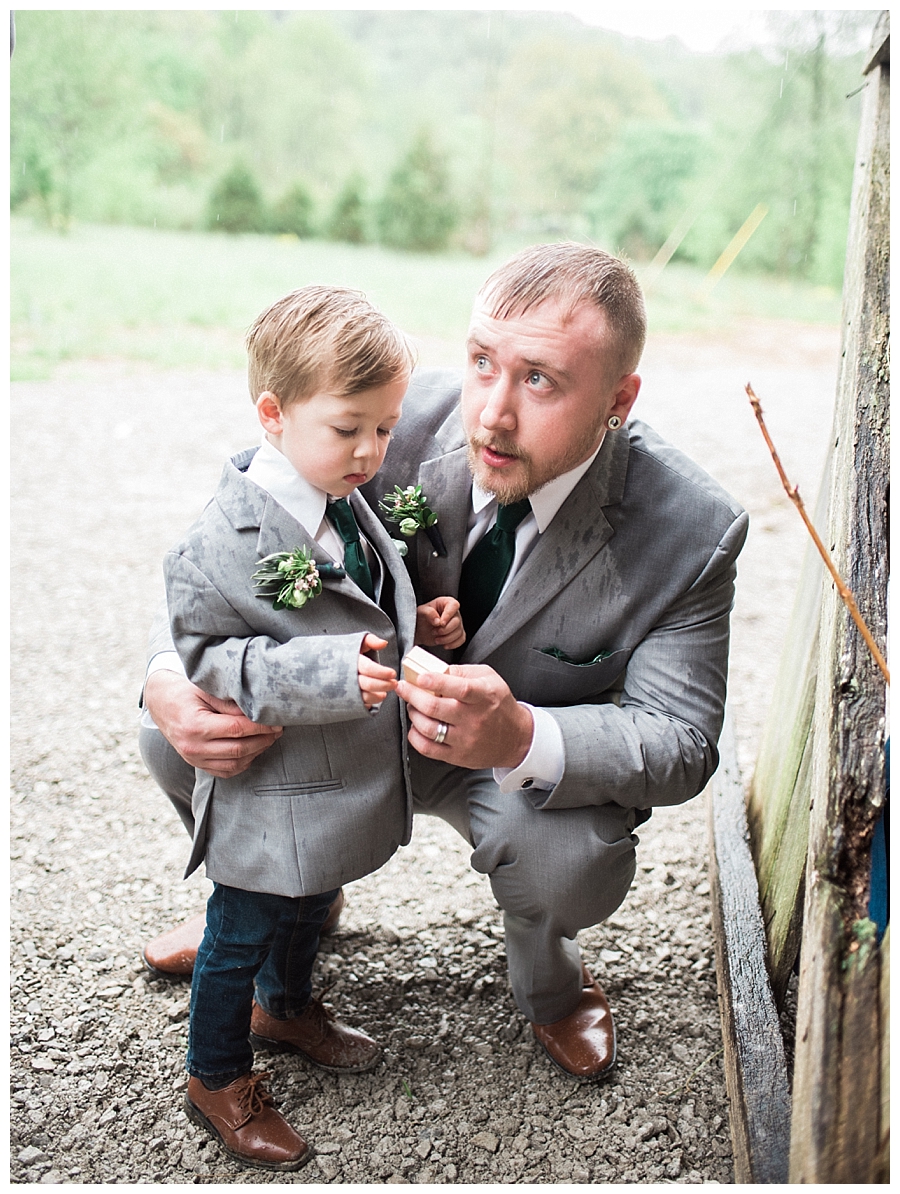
(244, 1121)
(317, 1035)
(173, 953)
(582, 1044)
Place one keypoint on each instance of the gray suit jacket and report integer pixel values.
(330, 800)
(637, 566)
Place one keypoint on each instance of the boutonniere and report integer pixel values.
(292, 578)
(409, 508)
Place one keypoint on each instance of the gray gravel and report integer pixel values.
(111, 463)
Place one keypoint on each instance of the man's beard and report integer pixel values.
(526, 477)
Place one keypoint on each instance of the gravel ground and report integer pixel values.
(111, 463)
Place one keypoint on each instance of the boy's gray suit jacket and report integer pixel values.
(632, 584)
(330, 800)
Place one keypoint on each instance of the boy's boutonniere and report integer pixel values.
(292, 578)
(409, 508)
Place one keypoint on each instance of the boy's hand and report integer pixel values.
(438, 624)
(375, 680)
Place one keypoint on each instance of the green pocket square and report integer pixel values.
(564, 658)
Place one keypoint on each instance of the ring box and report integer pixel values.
(418, 661)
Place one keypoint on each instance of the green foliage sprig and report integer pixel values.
(291, 577)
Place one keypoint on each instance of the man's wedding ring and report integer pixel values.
(441, 734)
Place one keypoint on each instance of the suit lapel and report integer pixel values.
(447, 484)
(577, 533)
(279, 531)
(392, 563)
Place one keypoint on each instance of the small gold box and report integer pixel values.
(417, 661)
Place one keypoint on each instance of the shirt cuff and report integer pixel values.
(543, 766)
(166, 661)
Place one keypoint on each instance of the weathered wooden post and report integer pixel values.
(839, 1126)
(819, 785)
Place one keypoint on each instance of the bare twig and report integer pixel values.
(794, 494)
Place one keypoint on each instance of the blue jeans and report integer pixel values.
(251, 937)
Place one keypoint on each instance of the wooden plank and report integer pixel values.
(880, 48)
(755, 1069)
(839, 1131)
(778, 804)
(839, 1128)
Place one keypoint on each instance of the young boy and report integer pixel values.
(280, 597)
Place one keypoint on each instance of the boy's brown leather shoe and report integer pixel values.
(244, 1121)
(317, 1035)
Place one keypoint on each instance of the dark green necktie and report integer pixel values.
(487, 567)
(343, 520)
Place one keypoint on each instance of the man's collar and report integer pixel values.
(548, 499)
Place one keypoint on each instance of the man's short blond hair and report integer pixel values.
(573, 274)
(323, 338)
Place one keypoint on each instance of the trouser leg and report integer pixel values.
(168, 768)
(552, 872)
(240, 929)
(250, 937)
(284, 982)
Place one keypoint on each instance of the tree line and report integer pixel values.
(428, 130)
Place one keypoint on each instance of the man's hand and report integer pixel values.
(486, 726)
(207, 732)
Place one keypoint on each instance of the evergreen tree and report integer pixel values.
(417, 211)
(348, 217)
(293, 212)
(236, 204)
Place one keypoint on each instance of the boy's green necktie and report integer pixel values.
(342, 518)
(487, 567)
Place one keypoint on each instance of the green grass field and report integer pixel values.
(175, 299)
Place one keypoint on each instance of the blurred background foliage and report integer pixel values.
(430, 131)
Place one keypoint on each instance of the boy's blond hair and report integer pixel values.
(323, 338)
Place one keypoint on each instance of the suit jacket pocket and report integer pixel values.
(321, 785)
(552, 681)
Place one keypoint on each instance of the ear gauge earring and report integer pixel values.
(614, 422)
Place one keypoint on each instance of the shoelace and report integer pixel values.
(319, 1017)
(254, 1097)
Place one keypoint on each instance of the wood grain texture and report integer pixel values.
(755, 1069)
(839, 1125)
(778, 804)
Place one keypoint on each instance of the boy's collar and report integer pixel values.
(272, 471)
